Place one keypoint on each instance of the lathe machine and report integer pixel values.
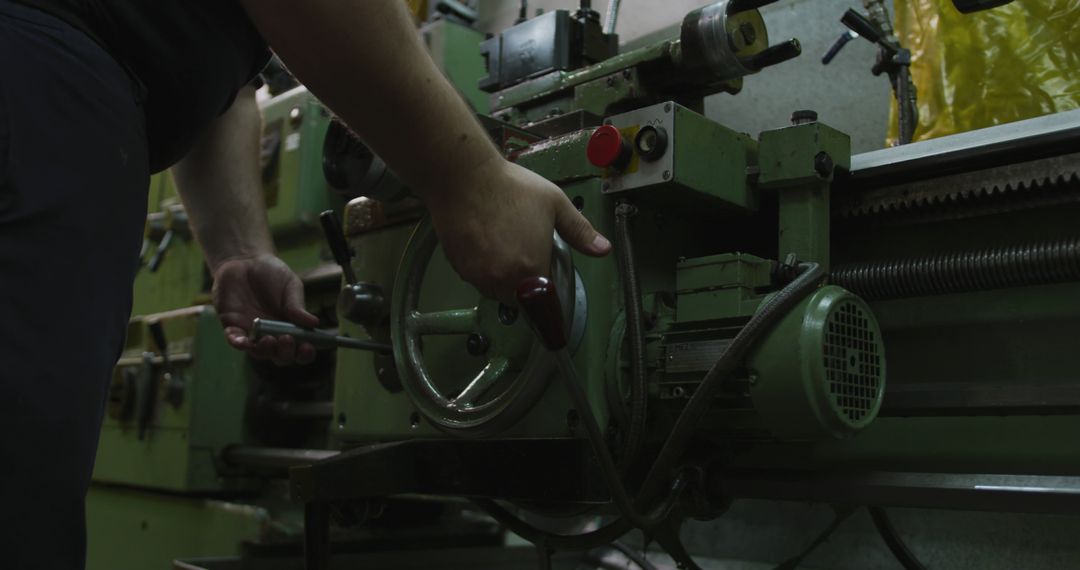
(779, 319)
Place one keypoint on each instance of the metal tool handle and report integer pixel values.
(540, 301)
(335, 238)
(863, 26)
(317, 338)
(159, 254)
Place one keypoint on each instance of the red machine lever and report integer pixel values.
(540, 301)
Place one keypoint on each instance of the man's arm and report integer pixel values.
(220, 186)
(364, 59)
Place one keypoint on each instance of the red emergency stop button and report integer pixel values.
(607, 148)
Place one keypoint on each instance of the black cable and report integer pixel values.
(635, 332)
(809, 277)
(586, 541)
(634, 556)
(793, 563)
(892, 539)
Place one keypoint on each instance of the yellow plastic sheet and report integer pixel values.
(1015, 62)
(418, 8)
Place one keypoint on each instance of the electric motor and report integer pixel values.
(818, 374)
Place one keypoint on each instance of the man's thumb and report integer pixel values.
(294, 307)
(579, 233)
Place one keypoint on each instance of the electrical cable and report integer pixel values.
(634, 556)
(792, 563)
(892, 539)
(810, 275)
(585, 541)
(635, 331)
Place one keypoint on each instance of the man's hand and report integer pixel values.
(262, 286)
(496, 227)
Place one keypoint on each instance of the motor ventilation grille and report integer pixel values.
(854, 361)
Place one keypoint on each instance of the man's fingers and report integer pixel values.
(238, 338)
(293, 306)
(264, 348)
(285, 351)
(305, 353)
(578, 232)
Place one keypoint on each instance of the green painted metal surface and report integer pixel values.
(720, 286)
(129, 529)
(799, 163)
(179, 452)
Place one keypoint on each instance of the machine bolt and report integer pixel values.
(748, 33)
(477, 344)
(295, 115)
(667, 175)
(804, 117)
(507, 315)
(823, 164)
(611, 81)
(627, 73)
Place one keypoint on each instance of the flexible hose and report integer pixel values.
(612, 16)
(635, 332)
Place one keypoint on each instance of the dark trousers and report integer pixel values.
(73, 181)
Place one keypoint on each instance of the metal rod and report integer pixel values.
(319, 339)
(274, 457)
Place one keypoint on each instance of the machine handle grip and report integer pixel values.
(335, 238)
(540, 301)
(862, 25)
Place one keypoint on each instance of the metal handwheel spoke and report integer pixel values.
(483, 381)
(456, 321)
(515, 369)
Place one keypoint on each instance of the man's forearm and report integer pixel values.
(365, 60)
(219, 184)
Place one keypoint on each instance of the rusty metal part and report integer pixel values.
(1045, 181)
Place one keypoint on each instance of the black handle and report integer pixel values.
(773, 55)
(540, 301)
(862, 25)
(736, 6)
(157, 334)
(335, 238)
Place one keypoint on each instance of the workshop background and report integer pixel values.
(753, 534)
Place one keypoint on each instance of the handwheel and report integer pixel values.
(515, 367)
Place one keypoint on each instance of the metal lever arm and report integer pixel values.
(174, 383)
(335, 238)
(317, 338)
